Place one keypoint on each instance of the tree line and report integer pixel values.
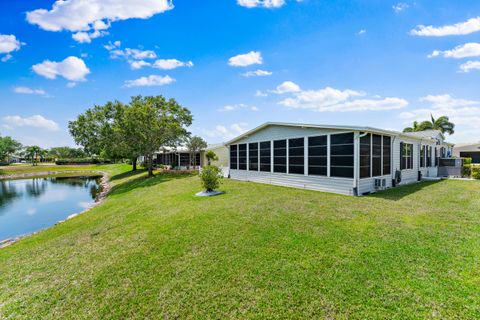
(11, 149)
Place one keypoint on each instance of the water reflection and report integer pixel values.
(8, 193)
(29, 205)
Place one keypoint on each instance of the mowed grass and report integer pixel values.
(154, 250)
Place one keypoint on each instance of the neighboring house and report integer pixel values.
(180, 157)
(222, 154)
(471, 150)
(352, 160)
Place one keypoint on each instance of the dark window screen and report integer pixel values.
(317, 156)
(242, 157)
(365, 156)
(296, 152)
(265, 156)
(376, 155)
(387, 155)
(253, 156)
(280, 156)
(341, 155)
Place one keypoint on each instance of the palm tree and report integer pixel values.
(442, 124)
(32, 153)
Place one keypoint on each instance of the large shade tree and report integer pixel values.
(96, 130)
(442, 123)
(154, 122)
(8, 147)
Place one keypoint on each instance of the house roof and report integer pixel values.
(335, 127)
(468, 146)
(185, 149)
(433, 134)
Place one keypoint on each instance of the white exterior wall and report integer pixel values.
(321, 183)
(326, 183)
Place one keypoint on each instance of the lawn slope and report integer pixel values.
(153, 250)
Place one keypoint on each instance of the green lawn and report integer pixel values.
(27, 168)
(154, 250)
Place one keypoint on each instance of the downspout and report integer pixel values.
(356, 176)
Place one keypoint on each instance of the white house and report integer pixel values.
(470, 150)
(350, 160)
(180, 157)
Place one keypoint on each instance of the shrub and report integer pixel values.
(467, 171)
(476, 172)
(467, 160)
(210, 177)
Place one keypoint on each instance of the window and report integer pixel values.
(429, 156)
(376, 155)
(437, 157)
(341, 155)
(265, 156)
(365, 153)
(253, 156)
(296, 152)
(317, 156)
(280, 156)
(387, 151)
(422, 157)
(406, 156)
(242, 157)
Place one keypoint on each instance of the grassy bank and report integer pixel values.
(153, 250)
(27, 168)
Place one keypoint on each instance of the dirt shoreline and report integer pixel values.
(104, 183)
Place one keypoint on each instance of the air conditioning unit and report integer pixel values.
(380, 183)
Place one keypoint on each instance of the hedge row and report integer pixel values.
(471, 171)
(82, 161)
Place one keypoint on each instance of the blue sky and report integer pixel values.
(236, 64)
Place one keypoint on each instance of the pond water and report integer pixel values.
(30, 205)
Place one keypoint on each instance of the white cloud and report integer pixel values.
(86, 37)
(257, 73)
(261, 3)
(26, 90)
(150, 81)
(447, 101)
(239, 106)
(112, 45)
(72, 69)
(129, 53)
(225, 132)
(469, 66)
(401, 6)
(260, 93)
(169, 64)
(471, 49)
(334, 100)
(36, 121)
(286, 87)
(461, 28)
(246, 59)
(362, 32)
(88, 19)
(8, 44)
(464, 113)
(138, 64)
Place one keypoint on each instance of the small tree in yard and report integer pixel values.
(210, 177)
(211, 156)
(195, 144)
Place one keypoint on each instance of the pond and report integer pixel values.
(30, 205)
